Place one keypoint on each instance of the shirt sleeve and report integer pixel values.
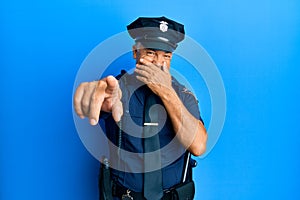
(190, 102)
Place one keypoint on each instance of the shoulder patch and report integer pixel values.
(186, 91)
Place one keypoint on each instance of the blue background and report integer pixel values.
(253, 43)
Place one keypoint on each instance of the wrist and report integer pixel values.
(168, 94)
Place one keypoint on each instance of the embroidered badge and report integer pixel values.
(186, 91)
(163, 26)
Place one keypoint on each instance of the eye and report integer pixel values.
(167, 56)
(150, 53)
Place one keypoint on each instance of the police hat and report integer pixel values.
(156, 33)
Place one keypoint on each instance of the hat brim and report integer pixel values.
(158, 45)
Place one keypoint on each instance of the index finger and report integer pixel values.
(96, 102)
(164, 67)
(149, 64)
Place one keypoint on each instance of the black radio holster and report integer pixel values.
(105, 182)
(183, 191)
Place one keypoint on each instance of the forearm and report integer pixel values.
(189, 130)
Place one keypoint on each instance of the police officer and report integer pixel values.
(121, 103)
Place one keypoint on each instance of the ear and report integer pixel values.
(134, 51)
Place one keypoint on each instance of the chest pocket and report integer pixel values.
(132, 124)
(132, 129)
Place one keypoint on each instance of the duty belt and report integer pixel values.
(127, 194)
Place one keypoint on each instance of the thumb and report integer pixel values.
(112, 82)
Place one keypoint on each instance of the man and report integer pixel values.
(123, 105)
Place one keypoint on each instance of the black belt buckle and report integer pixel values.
(127, 195)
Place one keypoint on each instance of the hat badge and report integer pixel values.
(163, 26)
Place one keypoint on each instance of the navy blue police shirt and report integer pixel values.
(127, 167)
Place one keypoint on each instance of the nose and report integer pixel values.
(159, 60)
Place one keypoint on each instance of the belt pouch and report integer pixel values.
(184, 191)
